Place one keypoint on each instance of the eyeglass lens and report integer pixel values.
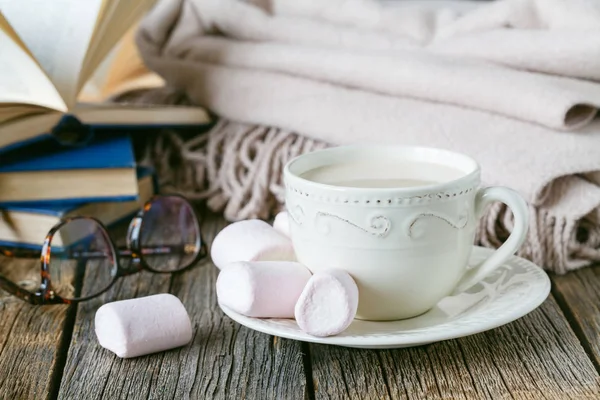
(83, 261)
(169, 234)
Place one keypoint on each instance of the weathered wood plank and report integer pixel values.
(537, 356)
(223, 361)
(578, 293)
(30, 337)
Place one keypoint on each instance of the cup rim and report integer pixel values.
(468, 177)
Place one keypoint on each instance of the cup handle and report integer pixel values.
(520, 212)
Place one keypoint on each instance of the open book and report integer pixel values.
(48, 52)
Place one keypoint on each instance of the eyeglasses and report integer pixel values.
(79, 260)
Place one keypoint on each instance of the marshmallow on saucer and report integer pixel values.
(328, 303)
(266, 289)
(251, 240)
(132, 328)
(282, 223)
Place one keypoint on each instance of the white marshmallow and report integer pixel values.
(328, 303)
(132, 328)
(282, 223)
(251, 240)
(266, 289)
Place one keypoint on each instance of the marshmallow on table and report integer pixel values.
(265, 289)
(328, 303)
(132, 328)
(251, 240)
(282, 223)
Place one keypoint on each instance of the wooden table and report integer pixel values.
(52, 352)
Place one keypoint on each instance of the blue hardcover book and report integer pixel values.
(103, 170)
(27, 225)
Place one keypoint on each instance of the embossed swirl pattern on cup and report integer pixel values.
(378, 225)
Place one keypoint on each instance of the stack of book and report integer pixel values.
(64, 149)
(100, 180)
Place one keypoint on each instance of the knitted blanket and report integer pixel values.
(512, 83)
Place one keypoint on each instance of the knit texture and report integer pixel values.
(237, 169)
(513, 83)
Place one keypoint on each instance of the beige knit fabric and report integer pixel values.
(237, 168)
(514, 83)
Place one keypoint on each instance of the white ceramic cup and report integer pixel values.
(406, 244)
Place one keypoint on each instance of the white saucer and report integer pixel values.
(510, 292)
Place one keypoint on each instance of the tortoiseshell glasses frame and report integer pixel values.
(134, 251)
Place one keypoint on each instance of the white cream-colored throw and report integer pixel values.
(514, 84)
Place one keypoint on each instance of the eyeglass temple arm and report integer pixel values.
(155, 250)
(124, 252)
(19, 252)
(16, 290)
(163, 250)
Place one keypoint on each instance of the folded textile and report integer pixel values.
(514, 83)
(469, 68)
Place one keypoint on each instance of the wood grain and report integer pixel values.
(224, 360)
(579, 295)
(535, 357)
(30, 337)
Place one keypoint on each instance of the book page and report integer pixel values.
(10, 111)
(122, 71)
(58, 33)
(21, 79)
(117, 20)
(22, 129)
(8, 29)
(128, 71)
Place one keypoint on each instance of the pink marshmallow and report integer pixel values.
(328, 304)
(282, 223)
(135, 327)
(266, 289)
(251, 240)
